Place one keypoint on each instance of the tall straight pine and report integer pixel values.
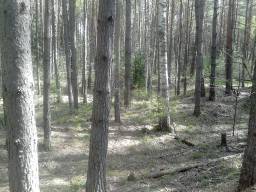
(18, 96)
(164, 121)
(96, 175)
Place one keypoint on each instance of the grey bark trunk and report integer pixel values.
(72, 28)
(67, 53)
(19, 93)
(247, 31)
(117, 62)
(47, 79)
(84, 82)
(180, 67)
(55, 50)
(92, 32)
(170, 48)
(229, 48)
(199, 11)
(128, 80)
(248, 171)
(96, 175)
(164, 121)
(213, 51)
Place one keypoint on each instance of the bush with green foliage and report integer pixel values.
(138, 71)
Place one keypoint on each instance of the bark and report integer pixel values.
(72, 27)
(37, 50)
(19, 93)
(186, 52)
(47, 79)
(213, 51)
(55, 51)
(128, 75)
(221, 28)
(164, 120)
(117, 63)
(199, 11)
(146, 43)
(180, 67)
(67, 53)
(96, 175)
(92, 32)
(229, 47)
(248, 171)
(84, 82)
(170, 48)
(247, 31)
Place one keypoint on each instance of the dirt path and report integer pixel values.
(134, 147)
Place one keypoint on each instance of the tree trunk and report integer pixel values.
(247, 31)
(67, 53)
(92, 32)
(84, 83)
(128, 80)
(199, 11)
(248, 171)
(19, 93)
(117, 62)
(213, 51)
(170, 48)
(55, 51)
(229, 47)
(72, 27)
(186, 52)
(47, 78)
(180, 67)
(164, 120)
(96, 175)
(37, 50)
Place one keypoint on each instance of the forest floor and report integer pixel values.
(136, 149)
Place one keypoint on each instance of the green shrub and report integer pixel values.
(138, 72)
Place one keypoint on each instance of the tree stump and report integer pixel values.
(223, 140)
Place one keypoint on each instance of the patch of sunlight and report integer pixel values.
(59, 181)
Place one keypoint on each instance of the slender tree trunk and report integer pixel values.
(96, 175)
(47, 78)
(72, 27)
(199, 11)
(221, 28)
(84, 83)
(55, 51)
(247, 30)
(37, 50)
(229, 47)
(164, 121)
(19, 93)
(92, 32)
(67, 53)
(180, 67)
(117, 62)
(128, 78)
(170, 48)
(213, 51)
(186, 52)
